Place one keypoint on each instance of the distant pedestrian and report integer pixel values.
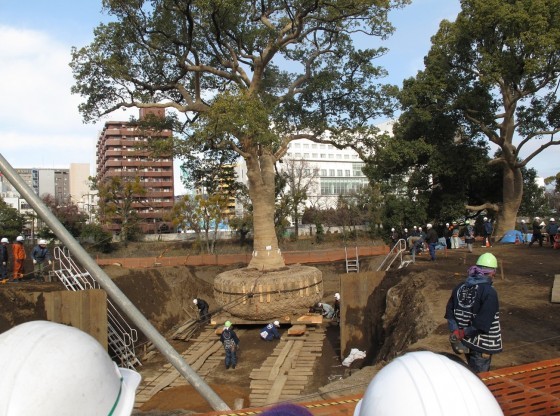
(469, 236)
(551, 230)
(473, 315)
(230, 341)
(203, 313)
(432, 240)
(394, 237)
(525, 231)
(41, 259)
(270, 332)
(537, 232)
(4, 258)
(447, 234)
(455, 240)
(487, 232)
(18, 256)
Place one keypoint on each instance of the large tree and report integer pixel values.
(218, 64)
(496, 69)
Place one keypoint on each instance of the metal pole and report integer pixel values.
(112, 290)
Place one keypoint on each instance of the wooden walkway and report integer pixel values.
(284, 375)
(204, 355)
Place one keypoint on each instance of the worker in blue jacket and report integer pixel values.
(270, 332)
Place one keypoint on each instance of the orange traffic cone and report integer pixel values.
(488, 242)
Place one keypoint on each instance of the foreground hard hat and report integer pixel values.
(552, 220)
(467, 222)
(276, 323)
(424, 383)
(227, 324)
(337, 296)
(195, 301)
(487, 260)
(42, 242)
(53, 369)
(428, 225)
(19, 238)
(4, 240)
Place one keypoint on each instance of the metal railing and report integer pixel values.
(121, 336)
(395, 253)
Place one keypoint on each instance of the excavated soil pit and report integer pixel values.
(410, 305)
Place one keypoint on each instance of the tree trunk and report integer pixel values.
(260, 175)
(512, 194)
(296, 223)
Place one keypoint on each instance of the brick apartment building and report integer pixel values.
(120, 154)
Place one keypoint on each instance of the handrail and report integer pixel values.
(74, 279)
(396, 252)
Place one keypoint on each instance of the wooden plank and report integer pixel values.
(84, 309)
(310, 319)
(555, 297)
(297, 330)
(280, 360)
(276, 389)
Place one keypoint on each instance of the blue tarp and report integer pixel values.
(510, 237)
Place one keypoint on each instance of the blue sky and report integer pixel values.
(39, 122)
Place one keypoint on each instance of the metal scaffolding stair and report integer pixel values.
(121, 336)
(352, 264)
(397, 252)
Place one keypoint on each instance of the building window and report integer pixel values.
(347, 172)
(331, 172)
(339, 172)
(323, 172)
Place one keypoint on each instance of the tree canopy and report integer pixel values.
(243, 75)
(492, 75)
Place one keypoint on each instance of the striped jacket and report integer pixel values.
(474, 306)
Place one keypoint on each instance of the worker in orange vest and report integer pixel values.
(19, 256)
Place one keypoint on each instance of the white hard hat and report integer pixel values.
(276, 323)
(552, 219)
(447, 224)
(337, 296)
(319, 304)
(54, 369)
(392, 229)
(406, 230)
(195, 301)
(485, 218)
(542, 224)
(42, 242)
(428, 225)
(4, 240)
(415, 227)
(19, 238)
(537, 218)
(523, 221)
(424, 383)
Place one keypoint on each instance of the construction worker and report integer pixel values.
(54, 369)
(270, 332)
(41, 258)
(469, 236)
(432, 240)
(202, 306)
(473, 315)
(326, 310)
(19, 256)
(287, 409)
(4, 258)
(537, 232)
(230, 341)
(487, 232)
(551, 229)
(423, 383)
(525, 231)
(337, 305)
